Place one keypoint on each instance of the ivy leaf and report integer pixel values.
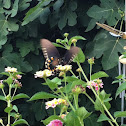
(24, 4)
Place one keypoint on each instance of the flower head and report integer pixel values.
(64, 68)
(43, 74)
(11, 69)
(97, 84)
(55, 123)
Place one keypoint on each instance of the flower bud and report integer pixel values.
(66, 34)
(57, 40)
(1, 84)
(91, 60)
(78, 70)
(74, 40)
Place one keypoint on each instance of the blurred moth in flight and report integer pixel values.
(113, 31)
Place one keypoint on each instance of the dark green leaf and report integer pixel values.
(99, 74)
(20, 121)
(24, 4)
(121, 88)
(21, 95)
(103, 117)
(42, 95)
(120, 114)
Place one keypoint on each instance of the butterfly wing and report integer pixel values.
(70, 54)
(50, 52)
(111, 29)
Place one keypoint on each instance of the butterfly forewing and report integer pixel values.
(50, 52)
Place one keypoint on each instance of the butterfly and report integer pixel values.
(113, 31)
(53, 57)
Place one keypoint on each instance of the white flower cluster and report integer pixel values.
(11, 69)
(43, 74)
(64, 68)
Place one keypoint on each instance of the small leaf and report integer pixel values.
(77, 38)
(53, 117)
(121, 88)
(80, 57)
(8, 109)
(103, 117)
(42, 95)
(120, 114)
(19, 96)
(20, 121)
(9, 80)
(15, 108)
(58, 45)
(2, 98)
(99, 75)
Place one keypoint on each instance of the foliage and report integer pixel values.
(24, 22)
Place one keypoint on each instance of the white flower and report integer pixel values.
(43, 74)
(39, 74)
(9, 69)
(64, 68)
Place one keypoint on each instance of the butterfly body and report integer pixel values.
(113, 31)
(53, 57)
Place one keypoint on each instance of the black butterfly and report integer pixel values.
(53, 57)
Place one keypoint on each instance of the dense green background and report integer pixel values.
(24, 22)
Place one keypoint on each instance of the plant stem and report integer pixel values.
(14, 93)
(90, 71)
(76, 100)
(3, 92)
(89, 98)
(73, 73)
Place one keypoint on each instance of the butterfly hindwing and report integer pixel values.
(70, 54)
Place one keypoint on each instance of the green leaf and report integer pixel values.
(120, 114)
(5, 73)
(53, 117)
(58, 4)
(25, 47)
(8, 109)
(14, 10)
(24, 4)
(97, 12)
(103, 117)
(58, 45)
(77, 38)
(42, 95)
(70, 79)
(33, 13)
(20, 121)
(121, 88)
(6, 3)
(2, 98)
(68, 15)
(56, 80)
(82, 113)
(9, 80)
(80, 57)
(72, 119)
(51, 84)
(98, 75)
(15, 108)
(19, 96)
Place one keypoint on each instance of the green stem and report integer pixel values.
(83, 72)
(54, 111)
(76, 100)
(104, 106)
(3, 92)
(90, 71)
(14, 93)
(73, 73)
(80, 75)
(89, 98)
(65, 83)
(8, 102)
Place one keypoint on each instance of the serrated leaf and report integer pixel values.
(121, 88)
(20, 121)
(103, 117)
(49, 119)
(120, 114)
(99, 74)
(42, 95)
(21, 95)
